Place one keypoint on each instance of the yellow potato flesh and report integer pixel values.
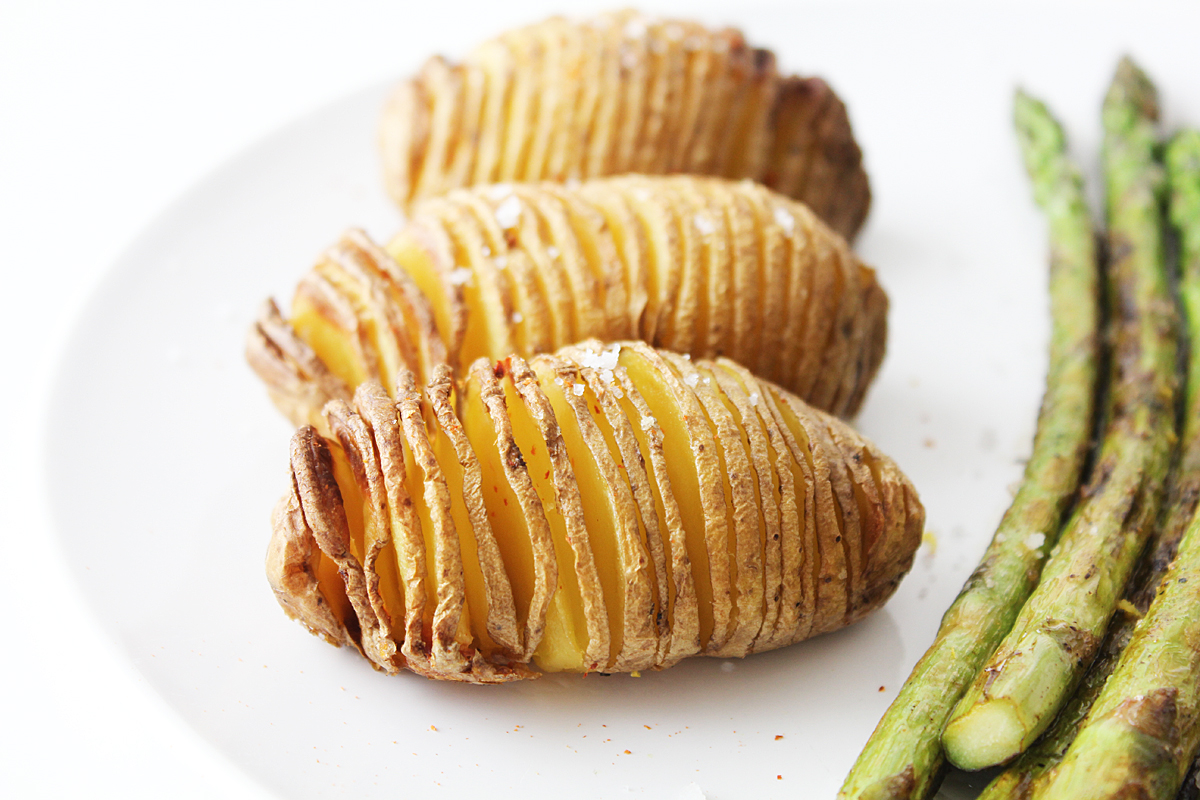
(565, 641)
(503, 508)
(329, 341)
(415, 260)
(416, 484)
(602, 423)
(333, 589)
(598, 507)
(681, 469)
(477, 603)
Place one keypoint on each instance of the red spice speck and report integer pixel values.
(778, 777)
(883, 688)
(778, 736)
(628, 753)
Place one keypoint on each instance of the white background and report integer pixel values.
(108, 111)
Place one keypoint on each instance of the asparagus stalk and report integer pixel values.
(1183, 170)
(1056, 636)
(904, 756)
(1141, 733)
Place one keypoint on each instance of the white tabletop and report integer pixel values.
(107, 112)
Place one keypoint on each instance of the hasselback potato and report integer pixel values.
(608, 508)
(701, 266)
(622, 93)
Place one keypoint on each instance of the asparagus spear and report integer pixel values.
(904, 755)
(1037, 666)
(1183, 168)
(1141, 733)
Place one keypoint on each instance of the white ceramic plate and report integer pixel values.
(165, 456)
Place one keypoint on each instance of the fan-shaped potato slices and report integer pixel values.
(607, 508)
(622, 93)
(698, 265)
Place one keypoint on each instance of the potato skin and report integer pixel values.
(752, 432)
(622, 93)
(702, 266)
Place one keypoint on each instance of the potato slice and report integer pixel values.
(489, 594)
(629, 239)
(598, 366)
(798, 558)
(487, 296)
(747, 156)
(604, 41)
(681, 325)
(424, 250)
(586, 290)
(699, 68)
(742, 407)
(632, 90)
(305, 582)
(599, 253)
(583, 617)
(773, 273)
(660, 232)
(450, 624)
(408, 541)
(695, 477)
(499, 222)
(375, 550)
(743, 515)
(746, 331)
(297, 379)
(443, 87)
(833, 572)
(498, 65)
(610, 515)
(329, 514)
(523, 534)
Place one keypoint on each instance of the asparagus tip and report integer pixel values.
(1132, 89)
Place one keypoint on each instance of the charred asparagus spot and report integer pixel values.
(1059, 630)
(1141, 733)
(608, 508)
(903, 757)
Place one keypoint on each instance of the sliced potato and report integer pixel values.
(608, 508)
(616, 94)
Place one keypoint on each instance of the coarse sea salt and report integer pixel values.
(692, 379)
(578, 389)
(500, 261)
(754, 398)
(552, 251)
(1035, 540)
(704, 224)
(517, 317)
(648, 422)
(460, 276)
(600, 359)
(508, 213)
(785, 220)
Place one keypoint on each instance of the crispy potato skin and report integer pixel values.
(622, 93)
(806, 526)
(701, 266)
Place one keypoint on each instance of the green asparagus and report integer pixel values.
(1141, 733)
(1183, 163)
(904, 755)
(1058, 632)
